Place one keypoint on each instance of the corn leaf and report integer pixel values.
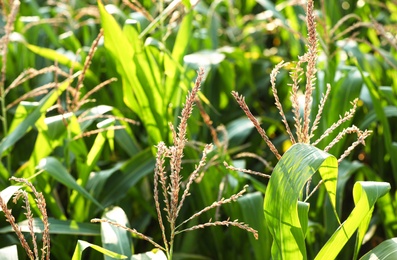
(59, 172)
(250, 205)
(115, 238)
(130, 173)
(385, 250)
(82, 245)
(381, 115)
(61, 59)
(45, 103)
(139, 96)
(65, 227)
(365, 195)
(291, 173)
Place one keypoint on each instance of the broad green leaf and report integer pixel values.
(54, 55)
(303, 214)
(346, 170)
(61, 59)
(59, 173)
(380, 113)
(291, 173)
(65, 227)
(45, 103)
(82, 245)
(4, 175)
(250, 205)
(93, 156)
(115, 238)
(365, 195)
(387, 250)
(385, 204)
(138, 95)
(179, 50)
(238, 130)
(51, 133)
(99, 179)
(23, 110)
(371, 117)
(9, 253)
(348, 86)
(130, 173)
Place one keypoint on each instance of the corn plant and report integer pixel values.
(171, 185)
(285, 206)
(84, 110)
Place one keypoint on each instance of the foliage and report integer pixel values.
(88, 90)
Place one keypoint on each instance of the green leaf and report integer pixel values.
(349, 87)
(130, 173)
(172, 63)
(23, 110)
(251, 208)
(381, 115)
(138, 95)
(61, 59)
(291, 173)
(385, 250)
(115, 238)
(45, 103)
(82, 245)
(65, 227)
(365, 195)
(59, 173)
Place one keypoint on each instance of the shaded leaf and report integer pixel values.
(365, 195)
(387, 250)
(65, 227)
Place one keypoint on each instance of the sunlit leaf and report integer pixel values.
(365, 195)
(9, 253)
(291, 173)
(155, 254)
(115, 238)
(82, 245)
(19, 131)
